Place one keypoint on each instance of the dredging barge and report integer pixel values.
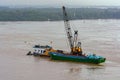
(76, 54)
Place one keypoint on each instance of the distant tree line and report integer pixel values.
(44, 14)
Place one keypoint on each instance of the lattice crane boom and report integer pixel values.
(73, 41)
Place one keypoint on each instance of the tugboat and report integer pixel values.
(76, 53)
(40, 50)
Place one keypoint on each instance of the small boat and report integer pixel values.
(41, 50)
(90, 58)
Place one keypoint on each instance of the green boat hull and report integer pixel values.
(63, 57)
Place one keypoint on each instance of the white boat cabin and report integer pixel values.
(38, 49)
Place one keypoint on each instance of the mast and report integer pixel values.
(73, 41)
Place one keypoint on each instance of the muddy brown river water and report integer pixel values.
(101, 37)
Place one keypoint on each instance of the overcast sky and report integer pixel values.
(61, 2)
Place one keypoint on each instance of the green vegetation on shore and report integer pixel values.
(44, 14)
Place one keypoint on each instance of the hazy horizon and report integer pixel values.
(58, 3)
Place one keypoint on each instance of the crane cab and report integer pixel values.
(76, 51)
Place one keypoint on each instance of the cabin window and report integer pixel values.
(41, 51)
(44, 51)
(38, 51)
